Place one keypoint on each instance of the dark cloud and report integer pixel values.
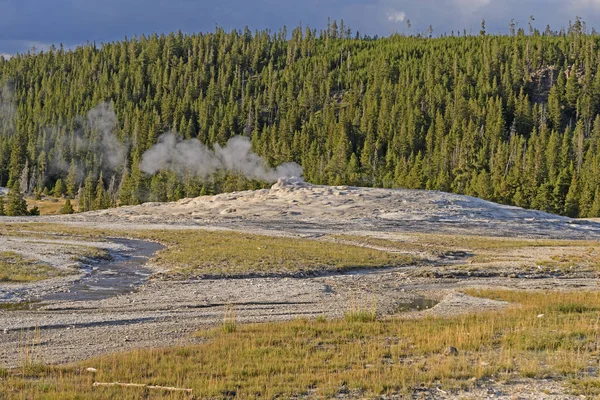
(27, 23)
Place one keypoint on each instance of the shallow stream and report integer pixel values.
(109, 278)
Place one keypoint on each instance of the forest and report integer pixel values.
(511, 118)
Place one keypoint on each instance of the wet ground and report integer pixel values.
(109, 278)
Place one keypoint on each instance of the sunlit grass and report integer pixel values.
(534, 255)
(16, 268)
(230, 253)
(191, 253)
(447, 243)
(543, 335)
(50, 205)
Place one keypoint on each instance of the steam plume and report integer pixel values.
(103, 119)
(96, 133)
(8, 111)
(181, 156)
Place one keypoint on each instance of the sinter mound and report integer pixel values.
(294, 205)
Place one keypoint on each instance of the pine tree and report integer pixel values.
(572, 200)
(572, 88)
(67, 208)
(72, 181)
(15, 203)
(544, 199)
(59, 188)
(88, 194)
(125, 189)
(158, 189)
(595, 210)
(521, 110)
(102, 199)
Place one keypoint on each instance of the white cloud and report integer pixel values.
(6, 56)
(396, 16)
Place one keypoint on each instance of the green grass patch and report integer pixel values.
(229, 324)
(15, 268)
(370, 357)
(193, 253)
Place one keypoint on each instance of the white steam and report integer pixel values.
(190, 156)
(103, 120)
(8, 111)
(96, 134)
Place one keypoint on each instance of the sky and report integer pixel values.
(27, 24)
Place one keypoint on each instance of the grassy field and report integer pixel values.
(16, 268)
(541, 336)
(50, 205)
(192, 253)
(195, 253)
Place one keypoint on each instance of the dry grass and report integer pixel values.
(50, 205)
(15, 268)
(367, 357)
(545, 335)
(584, 258)
(440, 244)
(194, 253)
(490, 252)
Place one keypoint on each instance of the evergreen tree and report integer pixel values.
(595, 210)
(88, 194)
(508, 118)
(15, 203)
(102, 198)
(67, 208)
(572, 200)
(72, 184)
(59, 188)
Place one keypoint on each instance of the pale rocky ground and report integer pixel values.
(295, 207)
(165, 312)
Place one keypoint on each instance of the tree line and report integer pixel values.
(509, 118)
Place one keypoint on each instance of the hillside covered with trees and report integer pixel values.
(512, 119)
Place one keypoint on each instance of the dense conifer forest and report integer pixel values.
(512, 118)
